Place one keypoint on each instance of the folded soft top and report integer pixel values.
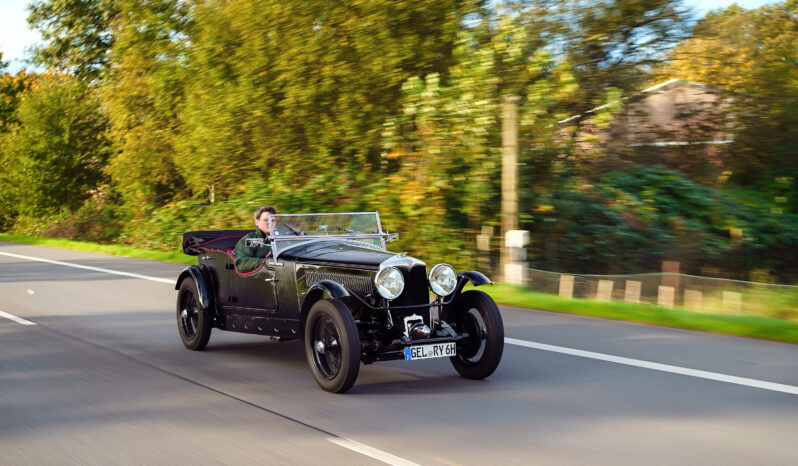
(194, 242)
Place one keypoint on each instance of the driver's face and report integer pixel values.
(263, 223)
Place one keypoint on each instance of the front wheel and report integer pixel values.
(475, 313)
(193, 323)
(332, 345)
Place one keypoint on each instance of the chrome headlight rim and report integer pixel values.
(382, 289)
(436, 286)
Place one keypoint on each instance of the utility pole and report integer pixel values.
(509, 176)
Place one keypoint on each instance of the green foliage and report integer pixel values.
(628, 221)
(77, 34)
(55, 155)
(609, 43)
(301, 87)
(755, 54)
(214, 107)
(12, 88)
(142, 96)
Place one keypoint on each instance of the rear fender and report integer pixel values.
(204, 292)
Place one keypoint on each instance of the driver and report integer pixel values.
(250, 258)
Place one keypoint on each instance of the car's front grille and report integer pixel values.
(416, 289)
(359, 284)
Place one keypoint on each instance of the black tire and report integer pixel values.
(332, 345)
(475, 312)
(193, 323)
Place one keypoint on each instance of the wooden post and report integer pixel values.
(632, 291)
(665, 296)
(509, 174)
(604, 291)
(670, 277)
(693, 300)
(567, 286)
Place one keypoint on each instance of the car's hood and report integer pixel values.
(336, 252)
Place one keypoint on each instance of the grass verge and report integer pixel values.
(113, 249)
(747, 326)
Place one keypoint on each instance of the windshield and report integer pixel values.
(290, 229)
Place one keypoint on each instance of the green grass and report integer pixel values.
(113, 249)
(747, 326)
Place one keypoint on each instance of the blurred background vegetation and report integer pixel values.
(156, 117)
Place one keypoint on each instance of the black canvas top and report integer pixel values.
(193, 241)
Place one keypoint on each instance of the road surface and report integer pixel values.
(92, 371)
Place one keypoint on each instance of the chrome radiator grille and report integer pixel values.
(360, 284)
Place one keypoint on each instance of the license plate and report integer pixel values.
(435, 350)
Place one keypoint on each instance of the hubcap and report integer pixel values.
(472, 323)
(320, 347)
(189, 316)
(327, 351)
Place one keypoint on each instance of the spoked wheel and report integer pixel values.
(476, 314)
(193, 324)
(332, 345)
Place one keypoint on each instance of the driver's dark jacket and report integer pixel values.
(250, 258)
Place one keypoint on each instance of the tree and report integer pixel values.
(12, 88)
(609, 43)
(77, 34)
(302, 86)
(54, 156)
(143, 94)
(755, 54)
(443, 148)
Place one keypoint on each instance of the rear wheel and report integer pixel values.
(193, 323)
(332, 345)
(475, 313)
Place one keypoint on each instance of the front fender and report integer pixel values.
(472, 276)
(203, 290)
(477, 278)
(323, 289)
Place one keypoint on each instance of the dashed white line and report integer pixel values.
(776, 387)
(370, 452)
(16, 319)
(95, 269)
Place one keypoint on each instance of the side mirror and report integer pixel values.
(391, 237)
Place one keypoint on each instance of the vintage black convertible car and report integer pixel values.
(328, 280)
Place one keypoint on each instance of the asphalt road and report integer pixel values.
(103, 378)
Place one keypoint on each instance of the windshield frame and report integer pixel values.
(306, 238)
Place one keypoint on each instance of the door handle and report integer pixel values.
(270, 280)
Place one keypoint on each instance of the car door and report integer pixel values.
(255, 291)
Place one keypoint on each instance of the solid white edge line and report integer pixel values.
(776, 387)
(370, 452)
(16, 319)
(95, 269)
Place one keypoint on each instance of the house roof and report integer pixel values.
(657, 88)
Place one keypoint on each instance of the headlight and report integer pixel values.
(442, 279)
(390, 282)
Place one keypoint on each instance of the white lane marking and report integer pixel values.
(776, 387)
(95, 269)
(16, 319)
(370, 452)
